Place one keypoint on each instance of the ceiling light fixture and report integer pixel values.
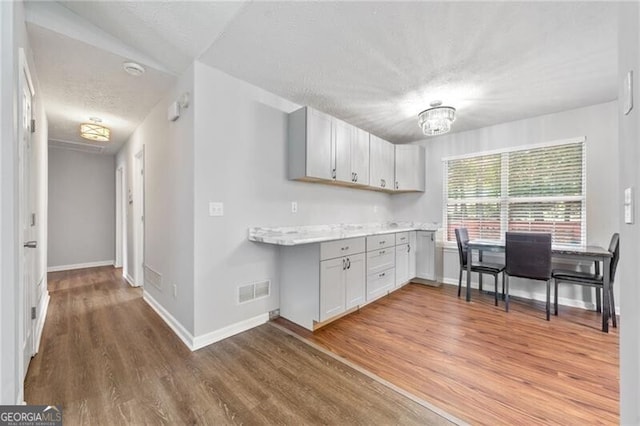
(133, 69)
(94, 131)
(437, 119)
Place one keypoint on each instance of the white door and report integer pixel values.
(320, 154)
(425, 256)
(27, 219)
(402, 264)
(138, 219)
(360, 156)
(119, 216)
(343, 133)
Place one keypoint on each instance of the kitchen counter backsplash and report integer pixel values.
(295, 235)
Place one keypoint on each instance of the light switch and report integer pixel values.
(294, 207)
(628, 206)
(216, 209)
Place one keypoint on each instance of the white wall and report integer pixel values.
(598, 123)
(13, 36)
(169, 189)
(629, 175)
(240, 159)
(81, 208)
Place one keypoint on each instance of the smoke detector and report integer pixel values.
(133, 69)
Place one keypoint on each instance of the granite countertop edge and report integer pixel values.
(293, 236)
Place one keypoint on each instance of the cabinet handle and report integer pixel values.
(344, 264)
(333, 173)
(432, 236)
(382, 242)
(382, 251)
(382, 275)
(408, 248)
(397, 186)
(348, 263)
(345, 248)
(356, 177)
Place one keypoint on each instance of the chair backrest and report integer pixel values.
(528, 255)
(614, 248)
(462, 238)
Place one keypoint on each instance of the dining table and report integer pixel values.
(583, 253)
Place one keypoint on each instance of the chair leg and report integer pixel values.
(506, 297)
(495, 293)
(598, 301)
(480, 281)
(503, 275)
(460, 283)
(555, 297)
(612, 310)
(548, 300)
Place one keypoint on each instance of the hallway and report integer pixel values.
(106, 357)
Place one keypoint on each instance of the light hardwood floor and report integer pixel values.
(481, 364)
(107, 358)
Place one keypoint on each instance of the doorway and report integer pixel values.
(120, 215)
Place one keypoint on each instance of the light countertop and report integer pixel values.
(296, 235)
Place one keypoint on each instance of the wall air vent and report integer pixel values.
(152, 277)
(254, 291)
(73, 146)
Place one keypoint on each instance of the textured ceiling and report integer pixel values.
(377, 65)
(78, 81)
(373, 64)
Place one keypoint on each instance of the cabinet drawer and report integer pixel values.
(402, 238)
(376, 242)
(333, 249)
(380, 283)
(381, 259)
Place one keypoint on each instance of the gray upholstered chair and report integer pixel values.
(592, 279)
(528, 255)
(462, 238)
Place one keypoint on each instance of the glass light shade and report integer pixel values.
(94, 132)
(436, 121)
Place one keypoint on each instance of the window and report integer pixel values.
(537, 188)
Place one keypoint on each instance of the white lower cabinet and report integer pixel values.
(332, 287)
(426, 255)
(402, 264)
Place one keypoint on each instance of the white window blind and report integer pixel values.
(538, 189)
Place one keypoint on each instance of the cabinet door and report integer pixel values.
(409, 168)
(320, 155)
(332, 287)
(381, 160)
(425, 256)
(355, 280)
(360, 156)
(402, 264)
(343, 133)
(412, 254)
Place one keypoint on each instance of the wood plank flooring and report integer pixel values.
(107, 358)
(481, 364)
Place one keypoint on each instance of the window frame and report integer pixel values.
(504, 200)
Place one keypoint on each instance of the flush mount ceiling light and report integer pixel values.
(94, 131)
(134, 69)
(437, 119)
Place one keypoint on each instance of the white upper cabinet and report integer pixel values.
(311, 154)
(352, 153)
(381, 161)
(409, 168)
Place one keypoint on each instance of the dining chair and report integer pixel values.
(594, 279)
(462, 238)
(528, 255)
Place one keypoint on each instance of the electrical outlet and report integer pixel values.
(294, 207)
(175, 291)
(216, 209)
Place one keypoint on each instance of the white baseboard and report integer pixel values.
(228, 331)
(541, 297)
(198, 342)
(170, 320)
(80, 266)
(42, 312)
(128, 278)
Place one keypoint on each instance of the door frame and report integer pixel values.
(26, 293)
(120, 203)
(138, 218)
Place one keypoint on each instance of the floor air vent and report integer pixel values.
(254, 291)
